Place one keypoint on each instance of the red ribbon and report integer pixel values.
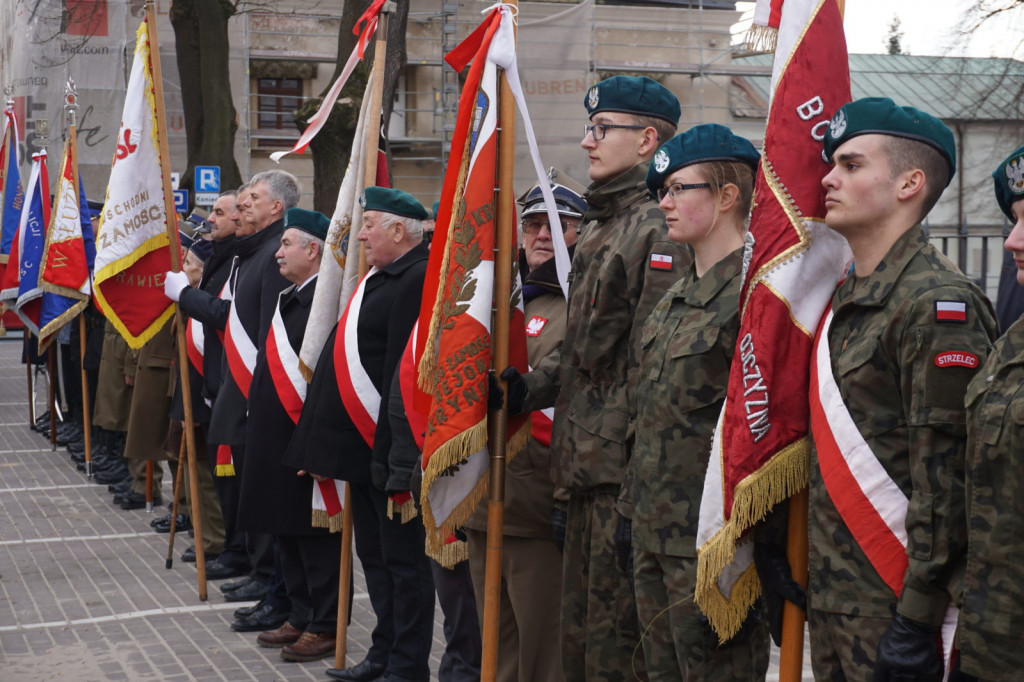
(367, 24)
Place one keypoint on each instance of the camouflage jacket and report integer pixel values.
(685, 352)
(613, 288)
(991, 638)
(890, 355)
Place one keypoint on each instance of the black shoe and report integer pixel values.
(121, 487)
(235, 584)
(138, 501)
(42, 422)
(263, 619)
(106, 476)
(182, 524)
(189, 555)
(78, 458)
(166, 518)
(363, 672)
(246, 611)
(215, 570)
(76, 446)
(254, 591)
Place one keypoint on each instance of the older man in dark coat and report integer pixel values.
(344, 433)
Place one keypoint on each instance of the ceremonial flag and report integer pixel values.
(66, 266)
(760, 450)
(20, 289)
(457, 300)
(132, 245)
(12, 195)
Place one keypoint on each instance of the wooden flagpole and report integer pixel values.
(86, 409)
(172, 236)
(51, 393)
(31, 391)
(175, 491)
(498, 421)
(369, 180)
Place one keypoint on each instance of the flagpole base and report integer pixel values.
(88, 469)
(149, 507)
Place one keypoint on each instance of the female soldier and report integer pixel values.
(704, 180)
(990, 637)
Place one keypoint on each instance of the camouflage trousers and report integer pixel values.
(599, 630)
(843, 647)
(678, 642)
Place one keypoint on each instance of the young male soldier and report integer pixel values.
(622, 267)
(908, 332)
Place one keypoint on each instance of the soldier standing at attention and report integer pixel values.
(908, 331)
(990, 638)
(624, 263)
(704, 179)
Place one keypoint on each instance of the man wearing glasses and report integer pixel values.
(624, 263)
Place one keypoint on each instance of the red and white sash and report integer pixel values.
(871, 504)
(283, 363)
(359, 395)
(327, 504)
(238, 347)
(194, 344)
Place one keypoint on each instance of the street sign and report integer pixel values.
(181, 200)
(206, 198)
(207, 179)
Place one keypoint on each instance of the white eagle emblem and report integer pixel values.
(661, 161)
(838, 125)
(592, 97)
(1015, 175)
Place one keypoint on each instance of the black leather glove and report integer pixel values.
(558, 519)
(908, 652)
(516, 390)
(495, 396)
(623, 539)
(778, 585)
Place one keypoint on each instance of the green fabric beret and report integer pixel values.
(882, 116)
(699, 144)
(1009, 180)
(313, 222)
(435, 209)
(638, 95)
(394, 201)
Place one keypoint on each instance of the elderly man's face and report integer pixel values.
(537, 240)
(380, 243)
(220, 218)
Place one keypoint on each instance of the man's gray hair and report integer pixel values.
(305, 239)
(281, 185)
(233, 193)
(413, 227)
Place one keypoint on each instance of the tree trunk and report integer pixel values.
(202, 45)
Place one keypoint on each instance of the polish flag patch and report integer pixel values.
(956, 358)
(661, 261)
(950, 311)
(535, 325)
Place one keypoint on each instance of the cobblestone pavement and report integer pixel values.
(84, 592)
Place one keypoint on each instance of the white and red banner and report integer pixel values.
(760, 450)
(12, 194)
(132, 246)
(458, 295)
(283, 362)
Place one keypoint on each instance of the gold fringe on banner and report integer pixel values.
(452, 553)
(761, 39)
(225, 470)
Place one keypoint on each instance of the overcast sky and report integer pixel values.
(931, 27)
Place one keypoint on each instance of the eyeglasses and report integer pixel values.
(532, 227)
(677, 188)
(599, 130)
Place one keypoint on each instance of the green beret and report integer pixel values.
(881, 116)
(394, 201)
(435, 209)
(699, 144)
(633, 95)
(1009, 179)
(313, 222)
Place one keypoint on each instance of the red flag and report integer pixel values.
(760, 450)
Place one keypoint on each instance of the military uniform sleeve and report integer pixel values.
(938, 359)
(542, 382)
(205, 307)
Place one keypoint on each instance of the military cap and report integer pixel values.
(435, 209)
(699, 144)
(202, 249)
(313, 222)
(185, 239)
(394, 201)
(568, 195)
(1009, 181)
(637, 95)
(882, 116)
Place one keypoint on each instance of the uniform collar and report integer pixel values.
(406, 260)
(713, 281)
(605, 200)
(874, 289)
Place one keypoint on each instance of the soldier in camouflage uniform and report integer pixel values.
(908, 333)
(705, 181)
(990, 639)
(623, 265)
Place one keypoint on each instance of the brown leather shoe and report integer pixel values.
(312, 646)
(284, 635)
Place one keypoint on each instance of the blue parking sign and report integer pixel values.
(181, 201)
(207, 179)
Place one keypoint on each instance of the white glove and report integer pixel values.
(174, 284)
